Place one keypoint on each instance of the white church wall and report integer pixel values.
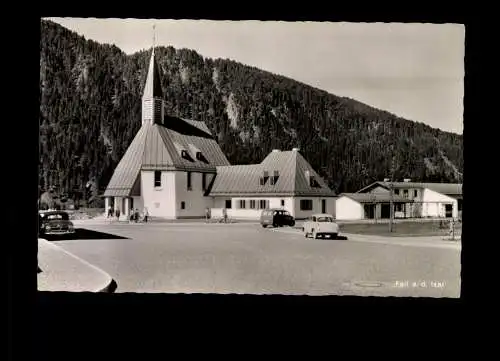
(160, 201)
(191, 203)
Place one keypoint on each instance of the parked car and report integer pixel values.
(321, 225)
(55, 222)
(276, 218)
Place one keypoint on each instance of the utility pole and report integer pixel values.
(391, 216)
(391, 192)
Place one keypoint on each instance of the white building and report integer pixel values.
(175, 169)
(284, 179)
(354, 206)
(411, 200)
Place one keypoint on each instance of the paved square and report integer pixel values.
(245, 258)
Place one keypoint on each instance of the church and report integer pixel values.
(175, 169)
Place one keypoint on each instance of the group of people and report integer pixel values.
(208, 215)
(134, 215)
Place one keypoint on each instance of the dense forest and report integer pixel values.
(90, 104)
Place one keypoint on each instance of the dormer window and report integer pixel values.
(264, 178)
(311, 179)
(275, 177)
(197, 153)
(313, 182)
(183, 152)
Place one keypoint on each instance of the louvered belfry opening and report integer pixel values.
(158, 116)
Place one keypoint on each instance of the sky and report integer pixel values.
(415, 71)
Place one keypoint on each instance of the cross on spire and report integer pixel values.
(154, 36)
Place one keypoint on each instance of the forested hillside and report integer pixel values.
(90, 104)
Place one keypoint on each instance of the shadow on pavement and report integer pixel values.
(82, 233)
(342, 238)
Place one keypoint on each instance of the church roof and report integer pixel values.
(157, 147)
(288, 168)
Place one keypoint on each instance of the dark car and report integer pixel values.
(55, 223)
(276, 218)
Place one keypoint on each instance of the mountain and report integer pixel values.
(90, 110)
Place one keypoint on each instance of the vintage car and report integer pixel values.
(321, 225)
(55, 223)
(276, 217)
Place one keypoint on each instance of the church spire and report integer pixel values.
(152, 97)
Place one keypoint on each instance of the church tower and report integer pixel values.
(152, 98)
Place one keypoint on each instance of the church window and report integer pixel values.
(189, 185)
(157, 178)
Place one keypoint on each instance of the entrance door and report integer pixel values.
(385, 211)
(369, 211)
(448, 209)
(323, 206)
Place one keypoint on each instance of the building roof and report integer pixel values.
(291, 181)
(154, 148)
(375, 198)
(152, 87)
(443, 188)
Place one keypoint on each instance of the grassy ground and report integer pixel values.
(426, 228)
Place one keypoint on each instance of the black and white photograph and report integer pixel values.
(250, 157)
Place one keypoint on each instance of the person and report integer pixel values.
(131, 215)
(110, 212)
(136, 215)
(207, 214)
(452, 228)
(117, 213)
(146, 215)
(224, 214)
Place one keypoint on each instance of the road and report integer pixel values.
(245, 258)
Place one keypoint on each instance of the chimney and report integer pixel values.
(386, 179)
(275, 150)
(406, 180)
(295, 149)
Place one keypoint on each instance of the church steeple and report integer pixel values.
(152, 97)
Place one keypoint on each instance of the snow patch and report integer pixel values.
(431, 167)
(450, 164)
(216, 78)
(244, 135)
(256, 132)
(290, 131)
(232, 111)
(106, 141)
(185, 73)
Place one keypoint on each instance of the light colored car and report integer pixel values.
(321, 225)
